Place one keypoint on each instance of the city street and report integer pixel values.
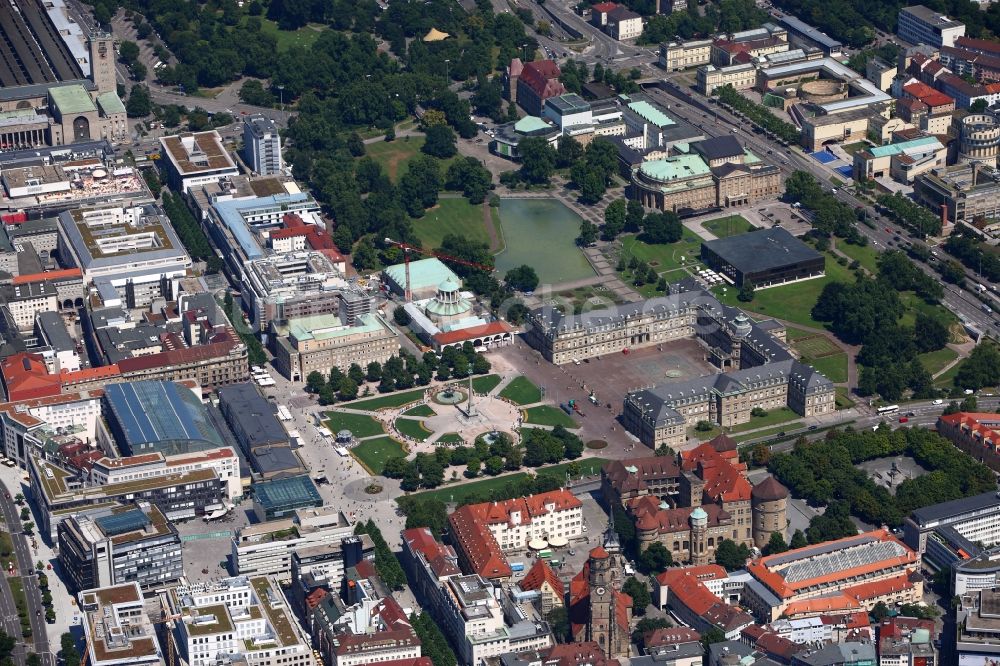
(26, 569)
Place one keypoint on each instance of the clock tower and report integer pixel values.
(607, 566)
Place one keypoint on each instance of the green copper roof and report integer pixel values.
(675, 168)
(72, 99)
(424, 273)
(110, 103)
(897, 148)
(530, 124)
(327, 326)
(448, 309)
(651, 114)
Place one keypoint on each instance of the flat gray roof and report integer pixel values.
(810, 32)
(762, 250)
(52, 327)
(956, 508)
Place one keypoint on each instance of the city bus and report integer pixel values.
(888, 409)
(545, 554)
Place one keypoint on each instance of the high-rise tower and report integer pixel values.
(607, 566)
(102, 62)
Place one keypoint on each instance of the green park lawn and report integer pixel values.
(451, 216)
(843, 397)
(935, 360)
(731, 225)
(833, 367)
(361, 425)
(550, 416)
(664, 257)
(588, 467)
(791, 302)
(521, 392)
(947, 379)
(450, 438)
(792, 333)
(372, 453)
(304, 37)
(767, 432)
(420, 410)
(852, 148)
(865, 255)
(773, 417)
(387, 400)
(413, 428)
(485, 384)
(395, 156)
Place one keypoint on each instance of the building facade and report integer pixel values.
(262, 145)
(921, 25)
(129, 543)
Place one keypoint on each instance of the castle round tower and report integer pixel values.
(646, 529)
(768, 509)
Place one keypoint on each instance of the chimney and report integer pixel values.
(944, 214)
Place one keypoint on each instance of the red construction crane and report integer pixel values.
(407, 249)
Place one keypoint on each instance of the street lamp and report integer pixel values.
(447, 69)
(281, 96)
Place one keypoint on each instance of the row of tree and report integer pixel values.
(190, 232)
(903, 211)
(829, 216)
(398, 372)
(386, 564)
(757, 114)
(973, 253)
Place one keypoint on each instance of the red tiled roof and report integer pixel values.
(972, 44)
(289, 233)
(983, 426)
(471, 333)
(585, 653)
(604, 7)
(761, 570)
(686, 586)
(671, 636)
(440, 557)
(927, 95)
(478, 544)
(838, 602)
(651, 468)
(542, 76)
(26, 376)
(541, 573)
(599, 553)
(49, 276)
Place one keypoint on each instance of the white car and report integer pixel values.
(939, 401)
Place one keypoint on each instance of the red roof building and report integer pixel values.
(543, 579)
(586, 653)
(539, 80)
(579, 604)
(483, 531)
(487, 336)
(976, 433)
(25, 377)
(936, 101)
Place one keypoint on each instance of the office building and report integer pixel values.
(961, 192)
(323, 342)
(616, 20)
(262, 145)
(901, 161)
(907, 641)
(25, 301)
(27, 425)
(977, 622)
(483, 532)
(370, 627)
(117, 628)
(972, 567)
(59, 493)
(68, 281)
(695, 595)
(58, 349)
(976, 519)
(764, 258)
(131, 255)
(479, 623)
(264, 441)
(195, 158)
(922, 25)
(223, 460)
(291, 285)
(190, 339)
(244, 617)
(124, 544)
(864, 569)
(268, 548)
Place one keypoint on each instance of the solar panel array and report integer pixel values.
(841, 560)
